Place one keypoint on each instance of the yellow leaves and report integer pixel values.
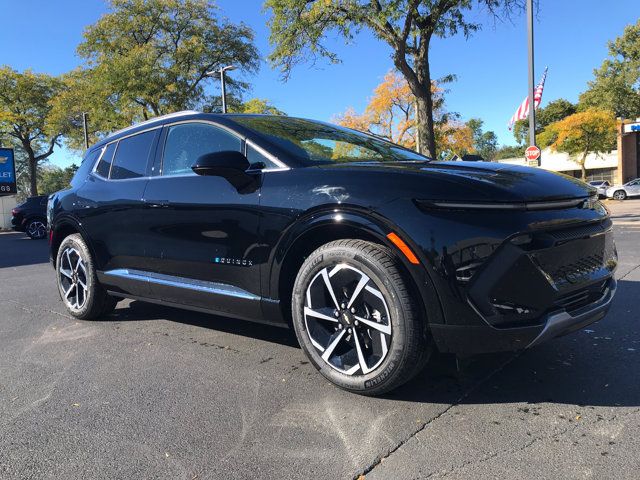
(455, 137)
(390, 113)
(589, 130)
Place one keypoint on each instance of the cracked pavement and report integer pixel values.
(154, 392)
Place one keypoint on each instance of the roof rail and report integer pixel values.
(154, 119)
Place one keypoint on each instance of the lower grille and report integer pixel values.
(573, 272)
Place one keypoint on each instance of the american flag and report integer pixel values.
(523, 110)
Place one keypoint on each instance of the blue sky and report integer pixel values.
(571, 39)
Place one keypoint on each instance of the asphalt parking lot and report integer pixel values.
(153, 392)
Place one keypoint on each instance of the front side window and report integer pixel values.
(186, 142)
(256, 157)
(132, 156)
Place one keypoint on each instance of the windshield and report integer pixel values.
(317, 143)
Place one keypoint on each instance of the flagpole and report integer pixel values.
(532, 109)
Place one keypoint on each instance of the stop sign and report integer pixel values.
(532, 153)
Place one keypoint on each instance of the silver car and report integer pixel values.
(601, 186)
(629, 189)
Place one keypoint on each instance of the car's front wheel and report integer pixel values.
(619, 195)
(36, 229)
(356, 319)
(78, 284)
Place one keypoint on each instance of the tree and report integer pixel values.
(390, 113)
(582, 133)
(509, 151)
(256, 105)
(616, 86)
(484, 143)
(54, 178)
(25, 107)
(553, 112)
(455, 138)
(150, 57)
(299, 28)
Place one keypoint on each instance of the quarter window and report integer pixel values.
(255, 156)
(132, 156)
(104, 165)
(188, 141)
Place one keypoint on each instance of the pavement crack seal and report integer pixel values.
(629, 272)
(26, 308)
(378, 460)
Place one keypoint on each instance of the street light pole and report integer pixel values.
(223, 87)
(532, 110)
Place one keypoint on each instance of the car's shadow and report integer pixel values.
(597, 366)
(18, 249)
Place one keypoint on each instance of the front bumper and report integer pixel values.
(475, 339)
(526, 294)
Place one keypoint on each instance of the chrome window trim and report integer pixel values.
(280, 164)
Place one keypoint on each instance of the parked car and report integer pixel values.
(31, 217)
(601, 186)
(621, 192)
(374, 254)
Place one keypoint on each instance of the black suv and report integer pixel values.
(31, 217)
(374, 254)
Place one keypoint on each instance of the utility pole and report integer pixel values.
(532, 110)
(86, 130)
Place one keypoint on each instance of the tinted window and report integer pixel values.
(315, 143)
(188, 141)
(254, 156)
(132, 156)
(104, 165)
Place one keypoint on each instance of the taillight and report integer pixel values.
(14, 212)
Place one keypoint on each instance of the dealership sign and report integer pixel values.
(7, 172)
(632, 128)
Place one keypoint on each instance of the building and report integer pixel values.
(618, 166)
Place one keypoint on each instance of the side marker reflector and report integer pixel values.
(403, 247)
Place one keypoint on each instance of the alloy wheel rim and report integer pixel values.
(619, 195)
(347, 319)
(72, 277)
(36, 229)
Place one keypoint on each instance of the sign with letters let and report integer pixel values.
(7, 172)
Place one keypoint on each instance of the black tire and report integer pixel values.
(620, 195)
(36, 229)
(88, 303)
(408, 345)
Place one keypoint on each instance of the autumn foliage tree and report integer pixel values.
(583, 133)
(299, 29)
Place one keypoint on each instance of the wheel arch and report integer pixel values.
(337, 223)
(61, 229)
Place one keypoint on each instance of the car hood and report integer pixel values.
(480, 181)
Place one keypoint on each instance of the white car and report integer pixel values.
(629, 189)
(601, 186)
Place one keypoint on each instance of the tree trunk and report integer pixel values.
(583, 168)
(33, 171)
(425, 132)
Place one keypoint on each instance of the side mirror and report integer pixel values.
(222, 164)
(230, 165)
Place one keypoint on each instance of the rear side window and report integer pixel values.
(188, 141)
(104, 165)
(87, 164)
(132, 156)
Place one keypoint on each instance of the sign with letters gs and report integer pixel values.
(7, 172)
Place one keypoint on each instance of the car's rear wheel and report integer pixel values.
(36, 229)
(619, 195)
(78, 285)
(356, 319)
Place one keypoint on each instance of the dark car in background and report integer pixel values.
(31, 217)
(374, 254)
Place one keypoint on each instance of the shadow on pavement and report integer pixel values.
(16, 249)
